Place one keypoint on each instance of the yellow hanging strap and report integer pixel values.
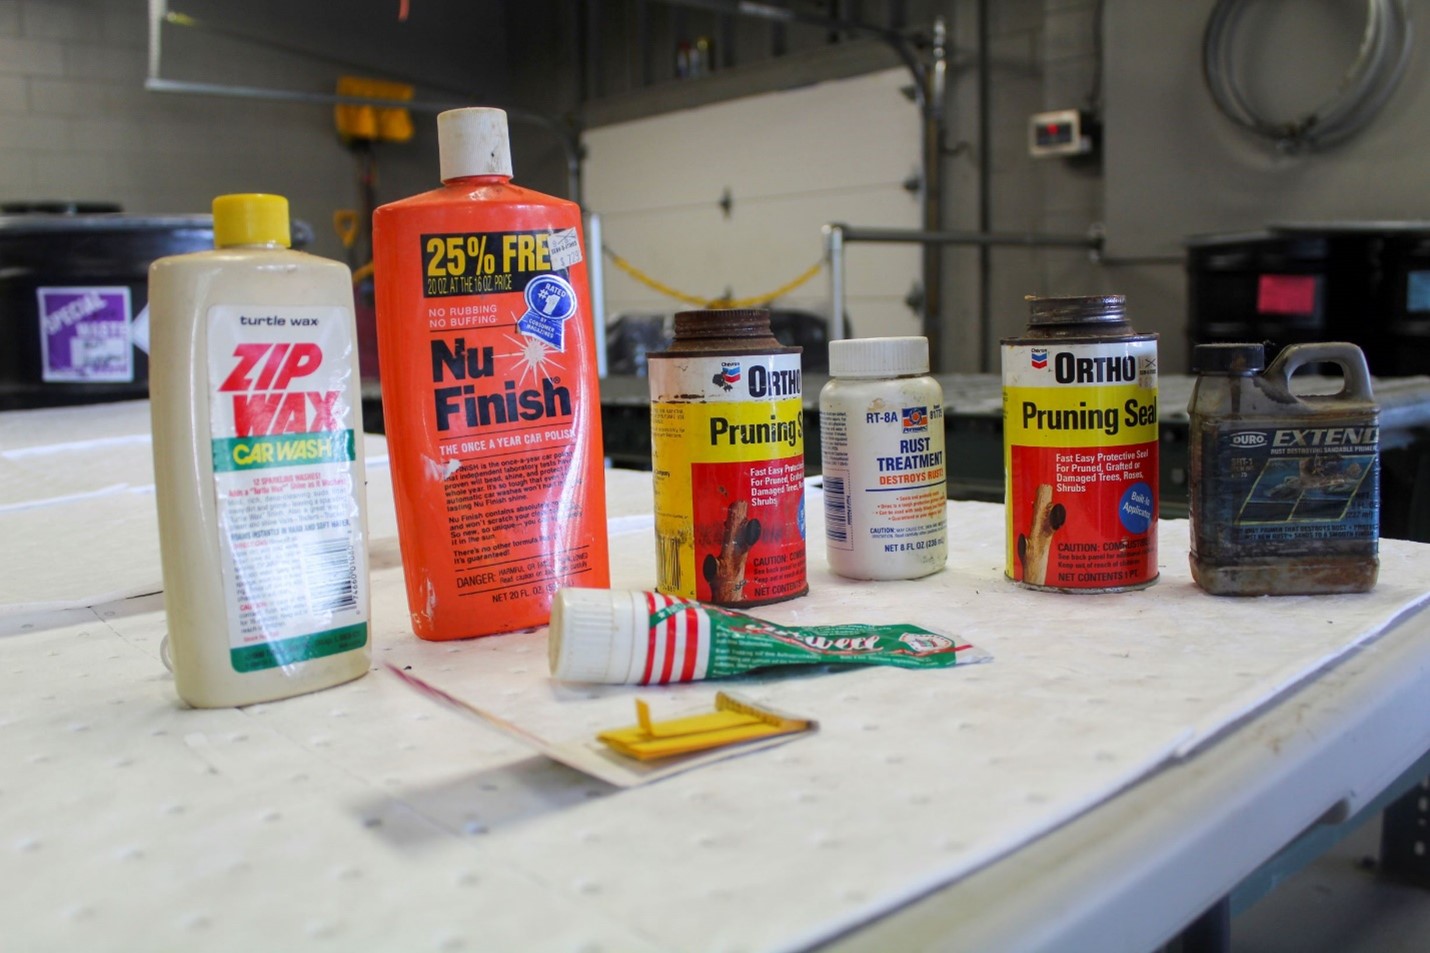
(753, 302)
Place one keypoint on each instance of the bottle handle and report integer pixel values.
(1355, 382)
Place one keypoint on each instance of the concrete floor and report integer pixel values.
(1338, 904)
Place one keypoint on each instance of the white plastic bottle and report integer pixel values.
(258, 463)
(885, 470)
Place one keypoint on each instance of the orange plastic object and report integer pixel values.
(490, 403)
(367, 121)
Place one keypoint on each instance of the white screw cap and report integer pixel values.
(879, 357)
(592, 637)
(473, 141)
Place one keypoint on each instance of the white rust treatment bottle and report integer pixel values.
(258, 463)
(882, 449)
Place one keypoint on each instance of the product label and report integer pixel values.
(286, 476)
(885, 478)
(475, 263)
(550, 300)
(565, 248)
(501, 316)
(85, 335)
(1288, 491)
(686, 641)
(727, 437)
(1080, 457)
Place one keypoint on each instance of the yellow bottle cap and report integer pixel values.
(251, 218)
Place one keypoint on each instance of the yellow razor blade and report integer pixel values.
(732, 722)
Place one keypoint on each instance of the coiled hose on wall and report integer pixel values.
(1364, 89)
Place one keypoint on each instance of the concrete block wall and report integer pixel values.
(1075, 192)
(77, 124)
(1042, 57)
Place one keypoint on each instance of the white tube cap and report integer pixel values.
(473, 141)
(879, 357)
(593, 637)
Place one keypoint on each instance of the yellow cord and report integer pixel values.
(717, 303)
(721, 303)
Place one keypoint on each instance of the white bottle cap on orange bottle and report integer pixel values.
(473, 141)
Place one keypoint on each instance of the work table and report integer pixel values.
(1121, 763)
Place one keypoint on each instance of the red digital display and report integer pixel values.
(1287, 294)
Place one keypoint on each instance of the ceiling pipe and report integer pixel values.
(902, 43)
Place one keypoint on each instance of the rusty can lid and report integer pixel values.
(724, 330)
(1076, 309)
(722, 323)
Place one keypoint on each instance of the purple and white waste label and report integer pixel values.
(85, 334)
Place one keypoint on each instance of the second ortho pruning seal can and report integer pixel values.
(1080, 448)
(727, 450)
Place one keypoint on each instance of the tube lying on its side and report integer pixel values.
(646, 638)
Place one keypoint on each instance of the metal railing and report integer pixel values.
(837, 235)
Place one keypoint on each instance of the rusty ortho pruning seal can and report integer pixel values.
(727, 450)
(1080, 448)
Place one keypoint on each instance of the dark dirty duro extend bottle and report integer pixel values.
(1285, 494)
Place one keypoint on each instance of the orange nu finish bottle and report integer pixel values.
(489, 391)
